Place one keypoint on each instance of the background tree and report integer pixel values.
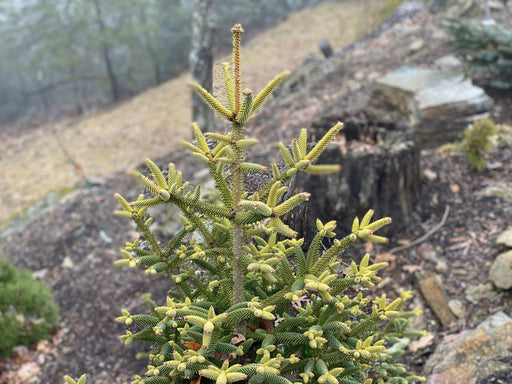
(201, 60)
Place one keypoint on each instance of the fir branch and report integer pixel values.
(291, 338)
(199, 224)
(205, 265)
(149, 260)
(300, 258)
(237, 316)
(276, 298)
(291, 203)
(201, 141)
(246, 110)
(237, 31)
(286, 272)
(175, 242)
(203, 288)
(268, 90)
(340, 285)
(291, 323)
(185, 203)
(331, 253)
(229, 85)
(324, 141)
(211, 101)
(162, 193)
(286, 155)
(147, 203)
(314, 250)
(157, 174)
(222, 186)
(323, 169)
(365, 325)
(148, 235)
(296, 152)
(148, 336)
(147, 320)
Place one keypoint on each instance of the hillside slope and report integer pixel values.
(154, 122)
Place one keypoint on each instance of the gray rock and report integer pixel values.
(449, 62)
(475, 293)
(501, 270)
(505, 238)
(496, 5)
(437, 5)
(499, 189)
(472, 356)
(457, 308)
(438, 103)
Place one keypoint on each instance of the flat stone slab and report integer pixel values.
(438, 103)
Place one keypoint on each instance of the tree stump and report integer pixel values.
(380, 163)
(326, 48)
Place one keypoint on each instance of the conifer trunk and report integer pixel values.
(238, 188)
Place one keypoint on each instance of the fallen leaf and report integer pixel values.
(223, 356)
(422, 342)
(411, 268)
(191, 345)
(237, 339)
(386, 258)
(267, 325)
(368, 247)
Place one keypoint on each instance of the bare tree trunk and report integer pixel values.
(150, 48)
(201, 61)
(114, 83)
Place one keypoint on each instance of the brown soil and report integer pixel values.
(75, 244)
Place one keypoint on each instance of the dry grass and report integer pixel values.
(157, 120)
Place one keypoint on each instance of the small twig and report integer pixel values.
(76, 166)
(426, 235)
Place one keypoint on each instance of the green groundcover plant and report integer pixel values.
(250, 302)
(477, 141)
(28, 313)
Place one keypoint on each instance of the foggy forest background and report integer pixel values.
(69, 57)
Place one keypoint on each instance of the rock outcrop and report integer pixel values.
(475, 356)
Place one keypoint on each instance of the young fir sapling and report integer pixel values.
(265, 310)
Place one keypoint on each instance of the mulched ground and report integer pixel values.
(74, 245)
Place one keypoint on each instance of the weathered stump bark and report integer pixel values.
(380, 170)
